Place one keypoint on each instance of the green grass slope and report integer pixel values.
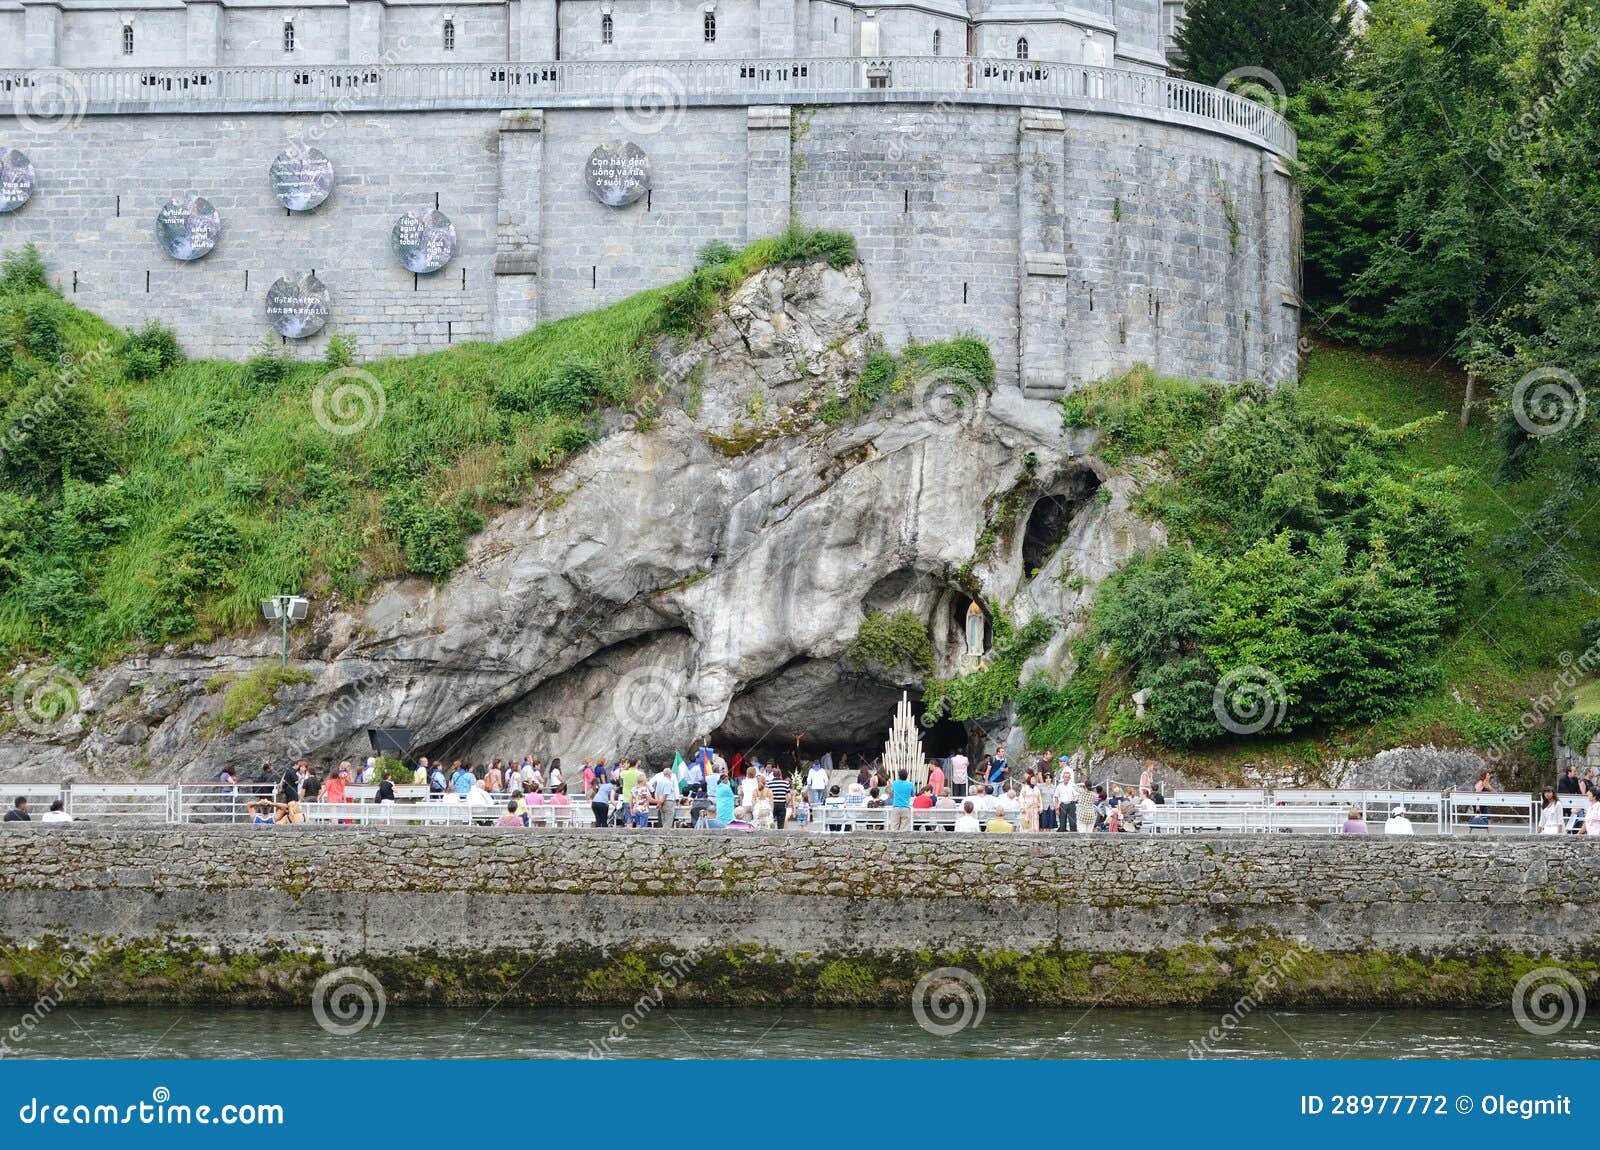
(144, 498)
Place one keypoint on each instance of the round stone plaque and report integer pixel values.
(301, 178)
(297, 306)
(424, 241)
(16, 180)
(618, 173)
(188, 227)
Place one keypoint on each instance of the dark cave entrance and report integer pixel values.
(811, 707)
(1050, 517)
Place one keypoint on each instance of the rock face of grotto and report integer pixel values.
(701, 576)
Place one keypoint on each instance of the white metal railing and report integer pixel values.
(1439, 812)
(1189, 810)
(121, 802)
(1218, 818)
(1426, 809)
(662, 83)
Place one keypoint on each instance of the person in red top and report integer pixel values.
(923, 801)
(333, 789)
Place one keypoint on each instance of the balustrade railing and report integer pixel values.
(649, 87)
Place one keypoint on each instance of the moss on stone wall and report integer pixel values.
(1269, 971)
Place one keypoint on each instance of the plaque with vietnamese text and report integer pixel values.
(618, 174)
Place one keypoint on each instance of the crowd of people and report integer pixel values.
(705, 790)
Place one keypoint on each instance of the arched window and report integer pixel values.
(1022, 48)
(288, 35)
(607, 29)
(127, 39)
(936, 40)
(711, 27)
(449, 35)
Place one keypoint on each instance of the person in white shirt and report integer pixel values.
(1591, 817)
(958, 774)
(56, 814)
(966, 822)
(1397, 823)
(1010, 806)
(817, 784)
(984, 805)
(1067, 798)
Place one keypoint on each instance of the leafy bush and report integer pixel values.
(90, 517)
(252, 693)
(340, 352)
(150, 350)
(268, 367)
(714, 254)
(892, 641)
(799, 246)
(41, 328)
(22, 272)
(431, 536)
(57, 597)
(52, 430)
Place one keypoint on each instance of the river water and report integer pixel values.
(748, 1032)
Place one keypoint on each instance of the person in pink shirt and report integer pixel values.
(510, 818)
(936, 779)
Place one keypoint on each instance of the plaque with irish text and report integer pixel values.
(424, 241)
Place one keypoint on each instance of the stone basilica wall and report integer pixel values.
(1077, 244)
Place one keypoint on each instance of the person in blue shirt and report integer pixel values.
(462, 781)
(997, 771)
(901, 792)
(724, 796)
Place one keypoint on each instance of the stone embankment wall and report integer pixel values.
(225, 914)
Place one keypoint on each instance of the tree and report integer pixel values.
(1298, 41)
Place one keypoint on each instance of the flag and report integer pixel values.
(679, 767)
